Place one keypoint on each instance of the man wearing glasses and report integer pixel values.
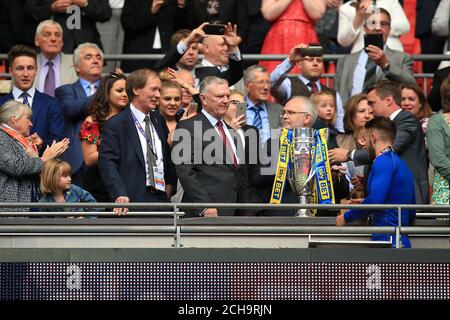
(298, 112)
(361, 69)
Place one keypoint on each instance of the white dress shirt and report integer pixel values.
(140, 116)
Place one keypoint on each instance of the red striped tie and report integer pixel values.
(227, 144)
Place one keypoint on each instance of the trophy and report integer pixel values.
(302, 170)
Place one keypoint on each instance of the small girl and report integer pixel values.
(56, 187)
(325, 103)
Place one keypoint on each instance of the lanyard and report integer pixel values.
(150, 144)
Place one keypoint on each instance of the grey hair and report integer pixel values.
(77, 52)
(309, 106)
(249, 75)
(208, 81)
(13, 108)
(41, 25)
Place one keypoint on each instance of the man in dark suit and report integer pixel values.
(308, 82)
(385, 99)
(47, 119)
(134, 159)
(357, 71)
(16, 28)
(205, 154)
(434, 98)
(91, 12)
(75, 99)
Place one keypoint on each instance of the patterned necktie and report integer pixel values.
(313, 87)
(257, 121)
(227, 144)
(151, 162)
(371, 71)
(49, 84)
(92, 89)
(24, 97)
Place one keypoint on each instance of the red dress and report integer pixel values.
(292, 27)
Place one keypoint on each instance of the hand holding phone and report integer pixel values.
(214, 29)
(311, 51)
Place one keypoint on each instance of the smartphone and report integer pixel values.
(373, 39)
(241, 108)
(214, 29)
(311, 51)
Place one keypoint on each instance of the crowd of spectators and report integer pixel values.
(135, 134)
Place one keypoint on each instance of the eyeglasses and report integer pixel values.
(291, 113)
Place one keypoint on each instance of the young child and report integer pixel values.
(325, 103)
(56, 187)
(355, 175)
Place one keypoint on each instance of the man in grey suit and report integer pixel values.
(265, 116)
(385, 99)
(357, 71)
(54, 67)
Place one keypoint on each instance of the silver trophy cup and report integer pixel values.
(301, 172)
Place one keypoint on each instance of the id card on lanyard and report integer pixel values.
(158, 174)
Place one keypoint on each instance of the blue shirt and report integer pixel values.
(390, 182)
(264, 114)
(87, 86)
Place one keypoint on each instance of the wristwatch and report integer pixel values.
(386, 67)
(349, 155)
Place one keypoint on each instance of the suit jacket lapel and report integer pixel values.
(133, 137)
(79, 89)
(36, 107)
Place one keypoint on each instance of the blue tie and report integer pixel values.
(257, 121)
(24, 96)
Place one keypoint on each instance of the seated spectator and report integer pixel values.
(170, 103)
(308, 82)
(261, 113)
(56, 187)
(352, 18)
(134, 160)
(148, 26)
(92, 11)
(54, 67)
(438, 137)
(110, 99)
(372, 63)
(48, 124)
(75, 99)
(20, 164)
(390, 182)
(414, 101)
